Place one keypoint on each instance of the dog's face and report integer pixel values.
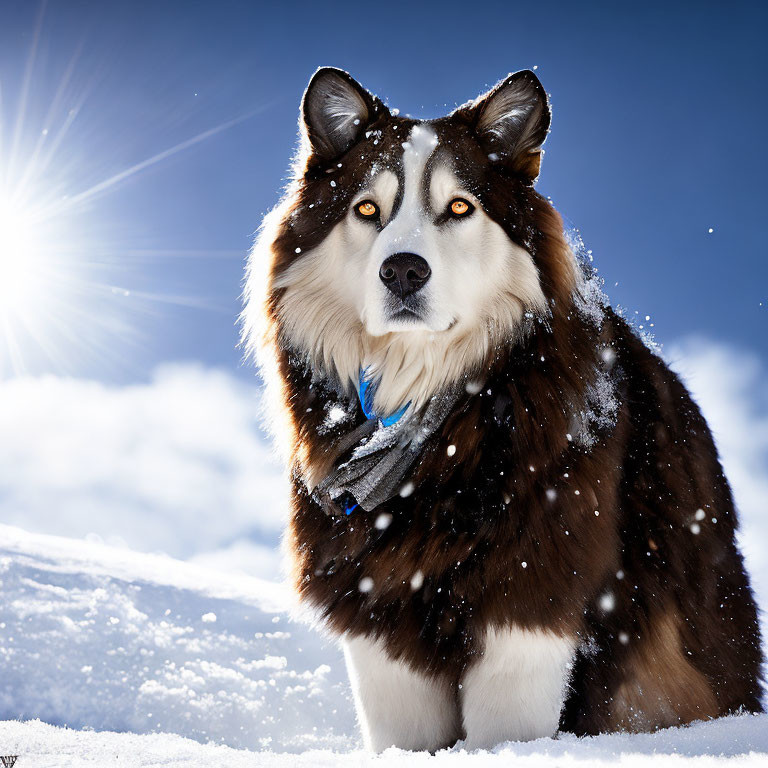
(405, 246)
(416, 250)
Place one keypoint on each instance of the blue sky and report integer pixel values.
(658, 136)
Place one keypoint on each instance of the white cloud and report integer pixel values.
(177, 465)
(729, 386)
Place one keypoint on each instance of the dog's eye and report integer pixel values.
(460, 208)
(367, 209)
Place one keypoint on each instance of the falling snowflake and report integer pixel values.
(383, 521)
(607, 602)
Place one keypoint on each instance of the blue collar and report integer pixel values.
(367, 392)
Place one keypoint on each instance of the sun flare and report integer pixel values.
(21, 259)
(40, 267)
(64, 302)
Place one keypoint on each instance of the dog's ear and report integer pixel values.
(335, 111)
(511, 122)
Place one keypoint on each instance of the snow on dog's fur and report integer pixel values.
(562, 552)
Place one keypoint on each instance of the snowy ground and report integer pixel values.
(105, 640)
(99, 637)
(741, 742)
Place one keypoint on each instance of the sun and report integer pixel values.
(39, 267)
(22, 256)
(66, 300)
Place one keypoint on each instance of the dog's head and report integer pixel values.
(410, 248)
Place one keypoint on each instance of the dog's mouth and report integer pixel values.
(408, 316)
(410, 309)
(412, 313)
(405, 316)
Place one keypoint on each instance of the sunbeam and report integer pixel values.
(64, 285)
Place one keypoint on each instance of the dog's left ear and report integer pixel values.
(511, 122)
(336, 110)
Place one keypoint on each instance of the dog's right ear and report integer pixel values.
(511, 121)
(336, 110)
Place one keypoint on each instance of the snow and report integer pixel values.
(736, 741)
(98, 638)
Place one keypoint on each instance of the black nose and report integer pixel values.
(404, 273)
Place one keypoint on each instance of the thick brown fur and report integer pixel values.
(524, 524)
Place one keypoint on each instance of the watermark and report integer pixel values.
(8, 761)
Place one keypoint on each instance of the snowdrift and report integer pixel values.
(204, 668)
(98, 637)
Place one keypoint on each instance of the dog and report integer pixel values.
(503, 501)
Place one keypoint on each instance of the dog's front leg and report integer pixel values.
(515, 688)
(396, 705)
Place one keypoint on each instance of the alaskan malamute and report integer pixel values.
(504, 503)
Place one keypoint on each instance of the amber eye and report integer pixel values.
(461, 207)
(367, 209)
